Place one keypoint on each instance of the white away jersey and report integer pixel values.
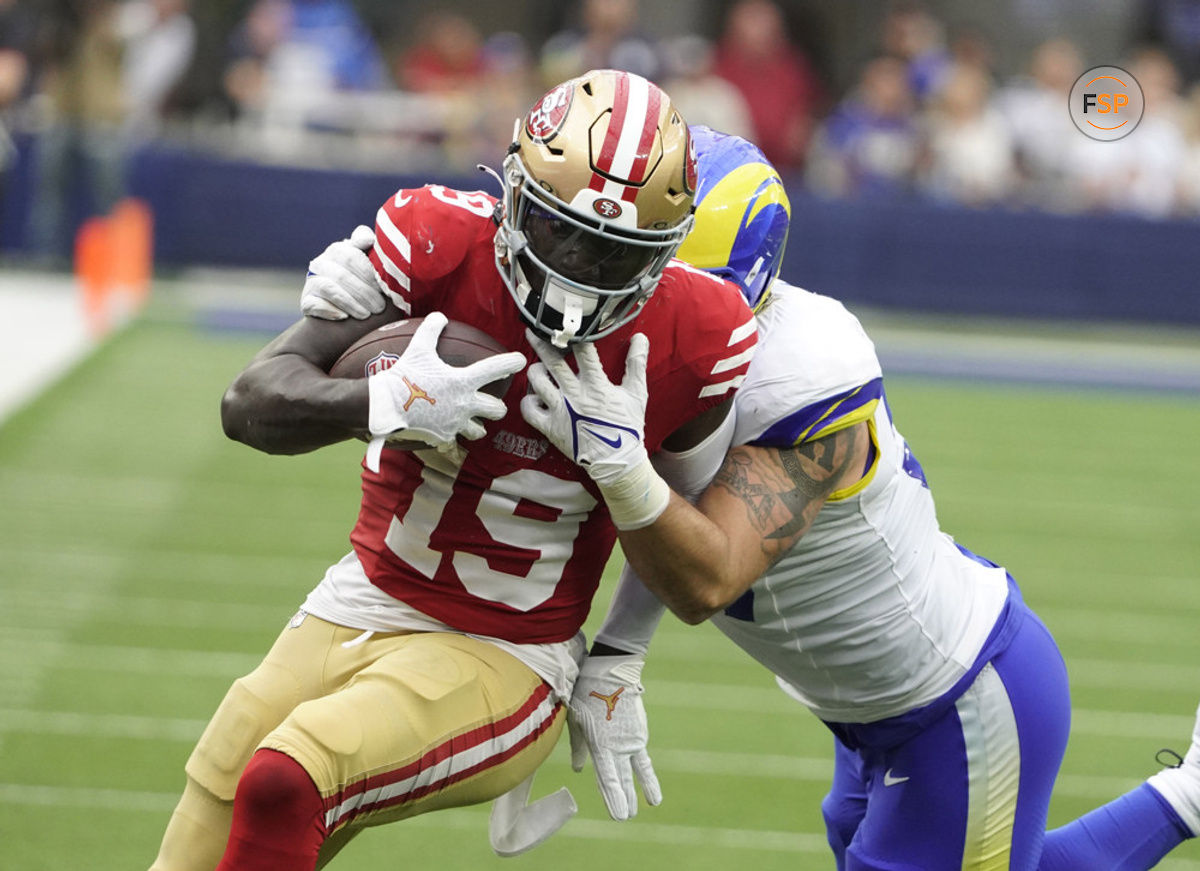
(875, 611)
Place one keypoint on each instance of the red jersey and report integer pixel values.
(513, 542)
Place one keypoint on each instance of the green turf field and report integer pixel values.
(147, 562)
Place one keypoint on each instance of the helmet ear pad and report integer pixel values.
(598, 190)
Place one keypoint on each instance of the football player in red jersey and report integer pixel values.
(906, 786)
(429, 667)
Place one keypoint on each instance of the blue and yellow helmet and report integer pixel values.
(742, 214)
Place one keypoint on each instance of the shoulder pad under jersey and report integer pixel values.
(424, 233)
(815, 371)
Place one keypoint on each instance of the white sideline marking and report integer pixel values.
(42, 335)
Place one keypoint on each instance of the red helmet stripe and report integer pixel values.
(629, 140)
(616, 123)
(649, 128)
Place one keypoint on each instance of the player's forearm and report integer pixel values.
(687, 561)
(286, 405)
(634, 613)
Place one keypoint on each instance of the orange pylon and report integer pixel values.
(114, 262)
(93, 270)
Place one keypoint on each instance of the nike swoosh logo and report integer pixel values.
(612, 443)
(889, 780)
(402, 201)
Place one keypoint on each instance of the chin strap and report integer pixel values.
(572, 318)
(516, 825)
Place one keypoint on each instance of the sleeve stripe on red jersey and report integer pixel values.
(718, 389)
(387, 235)
(733, 362)
(743, 332)
(746, 336)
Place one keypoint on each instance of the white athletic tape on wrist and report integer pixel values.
(637, 498)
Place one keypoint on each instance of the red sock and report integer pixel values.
(278, 817)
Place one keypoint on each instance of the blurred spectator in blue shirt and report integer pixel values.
(912, 34)
(287, 55)
(870, 143)
(334, 28)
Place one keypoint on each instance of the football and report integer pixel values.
(459, 345)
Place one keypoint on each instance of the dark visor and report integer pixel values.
(586, 256)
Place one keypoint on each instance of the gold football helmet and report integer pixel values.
(598, 189)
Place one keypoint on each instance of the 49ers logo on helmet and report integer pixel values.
(547, 116)
(606, 208)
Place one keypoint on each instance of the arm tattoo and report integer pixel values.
(783, 489)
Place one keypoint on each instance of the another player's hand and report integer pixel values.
(600, 425)
(606, 718)
(341, 281)
(423, 397)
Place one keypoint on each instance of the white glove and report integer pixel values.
(515, 826)
(423, 397)
(606, 718)
(341, 280)
(599, 425)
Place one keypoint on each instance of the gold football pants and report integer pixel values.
(388, 727)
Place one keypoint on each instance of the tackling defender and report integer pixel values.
(430, 666)
(817, 550)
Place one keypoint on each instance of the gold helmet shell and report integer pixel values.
(598, 186)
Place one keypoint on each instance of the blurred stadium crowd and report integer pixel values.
(926, 110)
